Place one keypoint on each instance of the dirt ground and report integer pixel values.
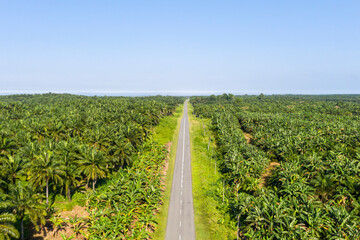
(48, 232)
(248, 137)
(267, 173)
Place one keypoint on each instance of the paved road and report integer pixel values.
(180, 222)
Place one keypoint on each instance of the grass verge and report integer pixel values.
(210, 223)
(167, 131)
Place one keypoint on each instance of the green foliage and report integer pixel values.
(298, 178)
(44, 169)
(124, 207)
(7, 230)
(23, 201)
(61, 143)
(92, 164)
(209, 221)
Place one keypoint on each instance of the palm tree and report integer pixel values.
(133, 134)
(122, 152)
(144, 123)
(23, 201)
(56, 130)
(30, 150)
(92, 164)
(98, 138)
(325, 185)
(46, 168)
(67, 157)
(7, 230)
(6, 146)
(13, 166)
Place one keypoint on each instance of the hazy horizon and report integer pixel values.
(166, 93)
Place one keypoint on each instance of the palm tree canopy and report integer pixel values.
(7, 230)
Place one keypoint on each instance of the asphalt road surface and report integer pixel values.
(180, 221)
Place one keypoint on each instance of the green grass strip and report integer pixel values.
(210, 223)
(167, 131)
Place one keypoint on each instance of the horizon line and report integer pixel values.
(179, 92)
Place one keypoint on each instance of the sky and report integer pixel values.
(180, 47)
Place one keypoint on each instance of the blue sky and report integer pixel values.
(184, 47)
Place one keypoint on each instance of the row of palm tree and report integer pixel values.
(312, 192)
(125, 207)
(55, 144)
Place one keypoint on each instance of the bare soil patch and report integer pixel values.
(265, 176)
(49, 231)
(248, 137)
(166, 163)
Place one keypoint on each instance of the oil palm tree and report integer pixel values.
(122, 151)
(13, 166)
(23, 201)
(133, 134)
(70, 180)
(66, 155)
(30, 150)
(325, 185)
(44, 169)
(92, 164)
(6, 146)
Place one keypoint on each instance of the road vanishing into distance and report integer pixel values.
(180, 221)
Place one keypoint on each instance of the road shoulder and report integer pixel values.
(209, 222)
(175, 120)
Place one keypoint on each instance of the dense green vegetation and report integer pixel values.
(63, 145)
(125, 206)
(211, 224)
(291, 164)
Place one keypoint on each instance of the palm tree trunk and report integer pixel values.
(47, 192)
(94, 182)
(69, 194)
(22, 228)
(238, 227)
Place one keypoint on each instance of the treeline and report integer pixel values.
(291, 164)
(55, 144)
